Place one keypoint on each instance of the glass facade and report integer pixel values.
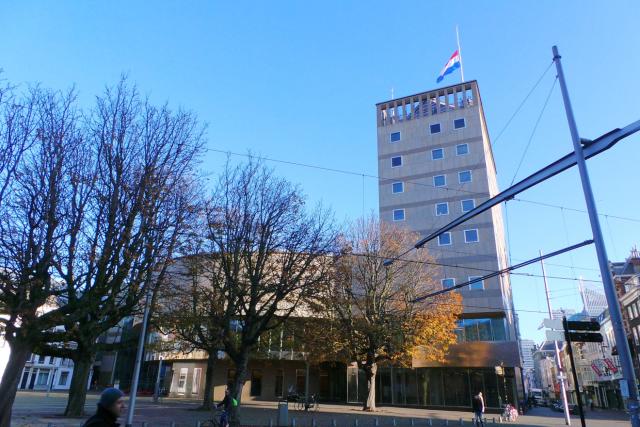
(483, 329)
(433, 387)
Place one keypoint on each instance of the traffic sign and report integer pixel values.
(585, 337)
(554, 335)
(553, 324)
(591, 325)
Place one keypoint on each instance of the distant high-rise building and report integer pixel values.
(594, 302)
(526, 348)
(435, 163)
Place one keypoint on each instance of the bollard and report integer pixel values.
(494, 420)
(333, 422)
(412, 423)
(145, 424)
(461, 422)
(376, 423)
(446, 422)
(173, 424)
(293, 422)
(355, 422)
(394, 422)
(430, 422)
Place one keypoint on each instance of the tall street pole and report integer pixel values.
(612, 300)
(136, 368)
(563, 388)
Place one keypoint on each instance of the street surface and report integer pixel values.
(36, 410)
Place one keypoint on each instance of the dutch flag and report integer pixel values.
(450, 66)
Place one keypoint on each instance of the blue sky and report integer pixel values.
(298, 81)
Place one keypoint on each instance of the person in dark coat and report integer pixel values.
(110, 407)
(226, 405)
(478, 409)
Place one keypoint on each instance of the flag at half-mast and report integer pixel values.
(451, 65)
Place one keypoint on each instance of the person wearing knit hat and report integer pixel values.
(110, 407)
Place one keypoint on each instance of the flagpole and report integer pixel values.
(460, 54)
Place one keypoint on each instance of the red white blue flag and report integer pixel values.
(450, 66)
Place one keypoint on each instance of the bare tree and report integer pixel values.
(110, 199)
(272, 253)
(39, 146)
(367, 311)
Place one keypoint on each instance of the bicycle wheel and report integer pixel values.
(299, 405)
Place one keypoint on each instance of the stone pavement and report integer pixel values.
(36, 410)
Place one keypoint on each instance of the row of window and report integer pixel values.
(633, 310)
(477, 284)
(486, 329)
(436, 154)
(438, 181)
(444, 239)
(434, 128)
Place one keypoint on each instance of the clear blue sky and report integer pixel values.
(298, 81)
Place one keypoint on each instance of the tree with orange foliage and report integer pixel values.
(368, 314)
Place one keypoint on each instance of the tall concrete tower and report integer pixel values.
(435, 162)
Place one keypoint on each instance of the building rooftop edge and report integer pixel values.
(427, 91)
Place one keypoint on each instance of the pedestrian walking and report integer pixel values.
(110, 407)
(478, 409)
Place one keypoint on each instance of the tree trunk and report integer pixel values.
(78, 389)
(10, 379)
(207, 400)
(370, 371)
(236, 387)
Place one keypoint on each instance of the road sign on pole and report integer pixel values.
(553, 324)
(554, 335)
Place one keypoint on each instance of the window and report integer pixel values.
(182, 380)
(476, 286)
(64, 377)
(483, 329)
(442, 208)
(256, 382)
(396, 161)
(40, 359)
(459, 123)
(300, 381)
(464, 176)
(471, 236)
(437, 154)
(444, 239)
(398, 214)
(195, 385)
(279, 386)
(434, 128)
(439, 181)
(462, 149)
(397, 187)
(467, 204)
(448, 283)
(395, 137)
(43, 378)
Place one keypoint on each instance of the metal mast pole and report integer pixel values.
(460, 53)
(563, 389)
(609, 289)
(136, 368)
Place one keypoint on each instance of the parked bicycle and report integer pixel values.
(311, 403)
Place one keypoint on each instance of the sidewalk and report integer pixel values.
(36, 410)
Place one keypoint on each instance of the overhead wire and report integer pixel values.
(533, 131)
(517, 110)
(376, 177)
